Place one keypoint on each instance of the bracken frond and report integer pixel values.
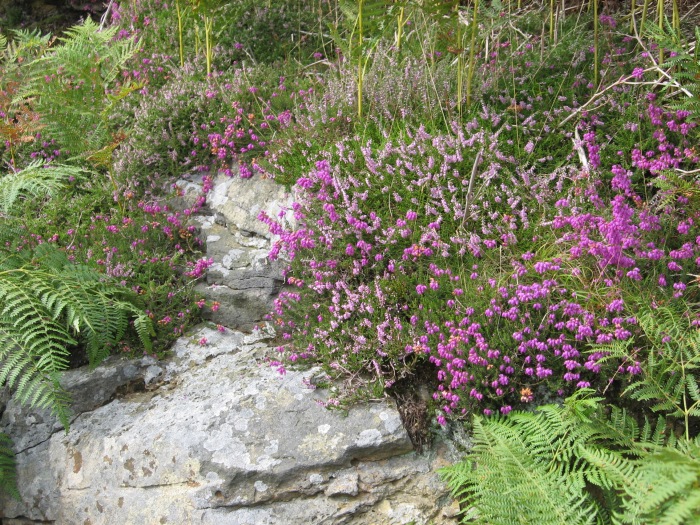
(574, 464)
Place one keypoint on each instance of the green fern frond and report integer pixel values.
(70, 82)
(32, 345)
(25, 45)
(94, 308)
(673, 185)
(605, 468)
(682, 64)
(36, 180)
(593, 469)
(46, 305)
(667, 488)
(668, 351)
(624, 430)
(537, 467)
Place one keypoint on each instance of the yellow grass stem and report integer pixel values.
(472, 51)
(595, 42)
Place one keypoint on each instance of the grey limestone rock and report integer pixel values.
(242, 279)
(240, 201)
(223, 438)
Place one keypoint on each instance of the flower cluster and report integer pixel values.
(504, 283)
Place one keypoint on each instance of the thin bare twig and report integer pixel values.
(103, 20)
(579, 149)
(598, 94)
(626, 80)
(475, 167)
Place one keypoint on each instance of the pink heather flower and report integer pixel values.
(683, 227)
(203, 341)
(616, 306)
(421, 288)
(200, 266)
(638, 73)
(634, 369)
(411, 215)
(635, 274)
(674, 266)
(529, 147)
(622, 179)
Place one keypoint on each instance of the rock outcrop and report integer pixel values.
(214, 435)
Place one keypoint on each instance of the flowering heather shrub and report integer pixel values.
(502, 282)
(399, 87)
(159, 140)
(192, 124)
(528, 87)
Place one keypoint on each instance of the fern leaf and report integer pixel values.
(44, 302)
(666, 489)
(84, 67)
(529, 491)
(36, 180)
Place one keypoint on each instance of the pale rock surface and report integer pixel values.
(216, 436)
(243, 280)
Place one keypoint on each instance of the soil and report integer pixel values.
(413, 401)
(48, 16)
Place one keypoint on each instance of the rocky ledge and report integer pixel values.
(214, 435)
